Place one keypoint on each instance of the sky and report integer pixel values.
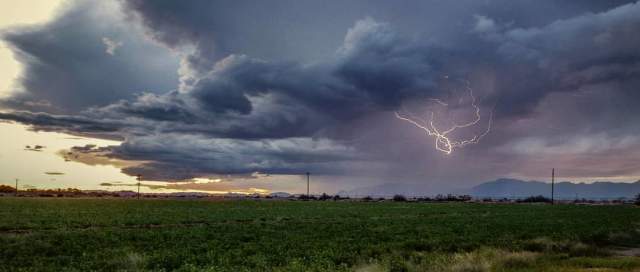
(248, 96)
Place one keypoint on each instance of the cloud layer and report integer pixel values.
(236, 103)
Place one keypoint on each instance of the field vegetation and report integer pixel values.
(269, 235)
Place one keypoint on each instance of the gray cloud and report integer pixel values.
(66, 68)
(183, 157)
(571, 54)
(78, 125)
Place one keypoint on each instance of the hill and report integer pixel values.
(509, 188)
(514, 188)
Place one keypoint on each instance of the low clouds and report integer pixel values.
(234, 113)
(191, 156)
(484, 24)
(36, 148)
(174, 156)
(76, 125)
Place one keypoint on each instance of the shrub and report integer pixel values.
(324, 196)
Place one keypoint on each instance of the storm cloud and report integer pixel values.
(68, 67)
(261, 95)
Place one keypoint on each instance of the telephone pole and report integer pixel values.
(139, 178)
(16, 187)
(553, 179)
(308, 174)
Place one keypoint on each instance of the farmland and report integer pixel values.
(38, 234)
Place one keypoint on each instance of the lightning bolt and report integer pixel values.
(443, 142)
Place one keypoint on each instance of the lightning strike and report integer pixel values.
(443, 141)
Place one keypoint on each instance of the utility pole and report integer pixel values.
(139, 178)
(16, 187)
(308, 174)
(553, 180)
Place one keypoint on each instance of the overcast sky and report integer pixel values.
(248, 96)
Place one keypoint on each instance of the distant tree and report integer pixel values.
(324, 196)
(399, 198)
(535, 199)
(637, 202)
(367, 198)
(7, 189)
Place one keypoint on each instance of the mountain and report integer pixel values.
(509, 188)
(513, 188)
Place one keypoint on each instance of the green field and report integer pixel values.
(194, 235)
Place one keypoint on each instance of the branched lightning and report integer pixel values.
(444, 142)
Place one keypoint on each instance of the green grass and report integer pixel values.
(194, 235)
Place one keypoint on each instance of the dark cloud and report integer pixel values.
(243, 97)
(568, 55)
(257, 96)
(68, 67)
(76, 124)
(295, 30)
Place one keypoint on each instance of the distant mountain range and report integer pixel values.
(514, 188)
(511, 188)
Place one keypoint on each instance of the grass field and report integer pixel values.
(193, 235)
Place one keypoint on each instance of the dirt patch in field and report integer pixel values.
(627, 252)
